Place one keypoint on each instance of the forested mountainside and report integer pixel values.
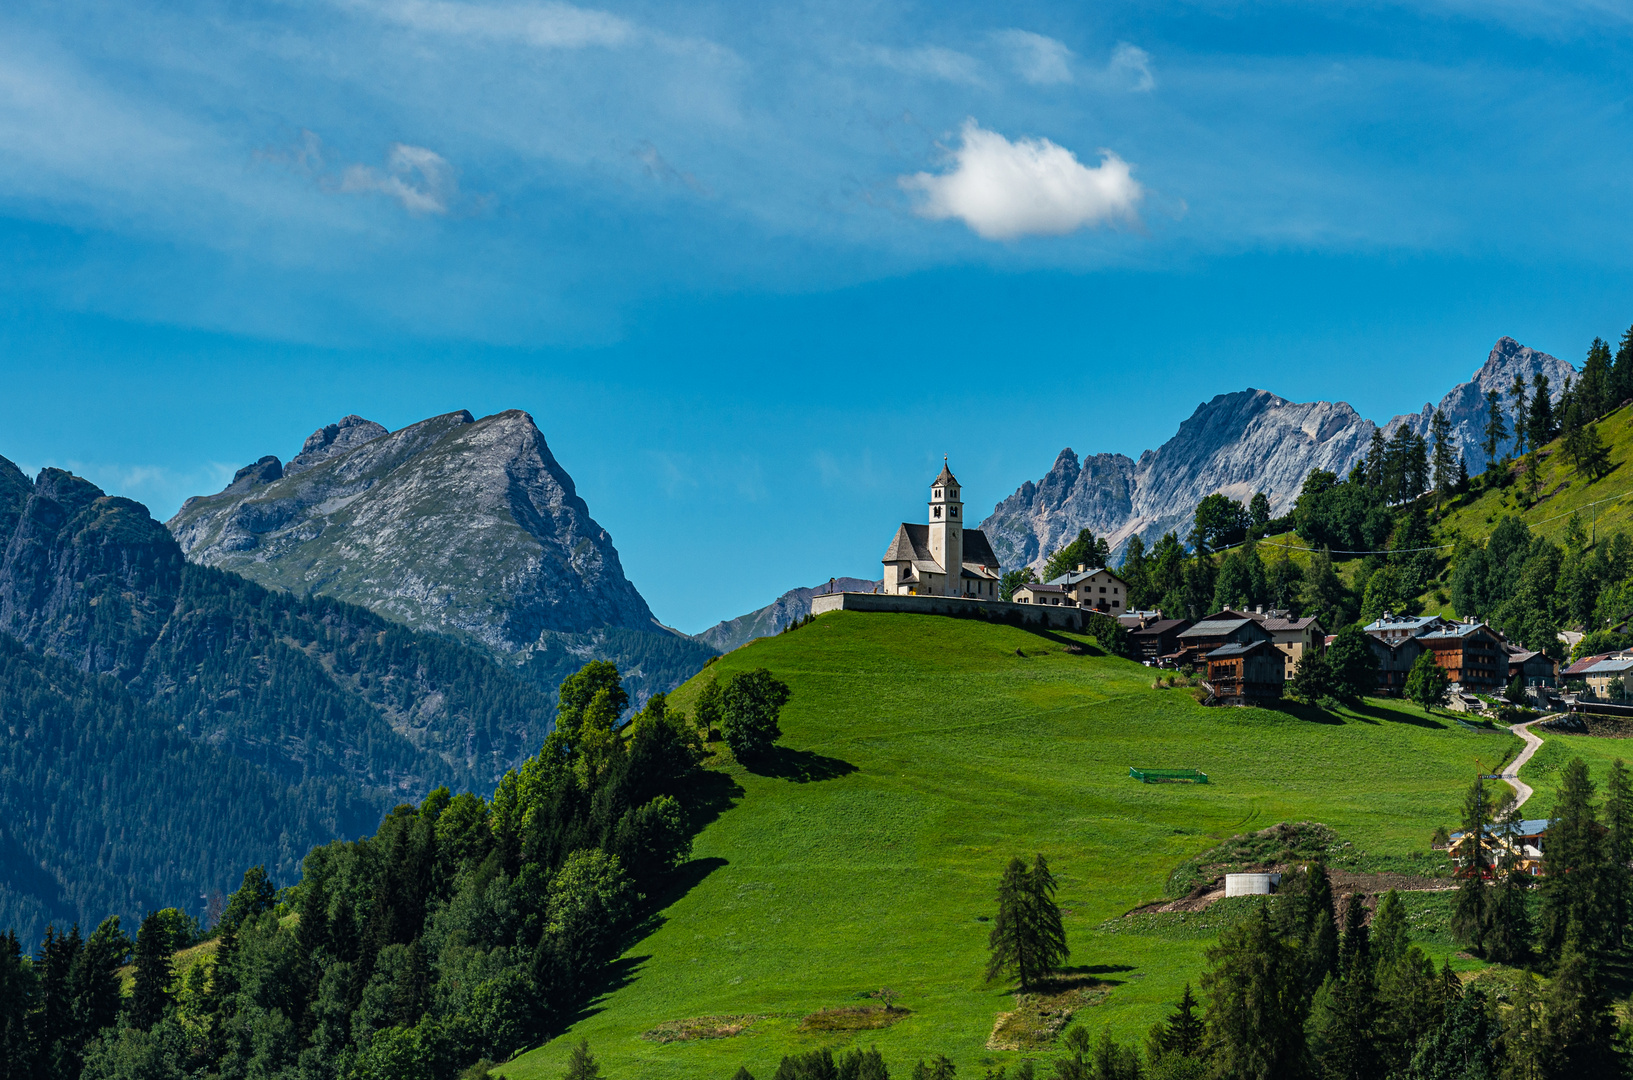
(324, 711)
(1236, 444)
(462, 526)
(777, 616)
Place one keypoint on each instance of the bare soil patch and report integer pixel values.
(1039, 1017)
(854, 1018)
(1343, 883)
(700, 1027)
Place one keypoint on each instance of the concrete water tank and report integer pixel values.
(1251, 884)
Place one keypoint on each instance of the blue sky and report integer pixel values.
(755, 268)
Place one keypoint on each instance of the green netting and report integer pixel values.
(1168, 776)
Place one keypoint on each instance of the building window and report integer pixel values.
(937, 511)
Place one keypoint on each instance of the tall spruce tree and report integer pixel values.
(1617, 879)
(17, 996)
(1573, 857)
(153, 990)
(1463, 1046)
(1444, 458)
(1578, 1028)
(1470, 916)
(1256, 1003)
(1621, 372)
(1539, 426)
(1517, 391)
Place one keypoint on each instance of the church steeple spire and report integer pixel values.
(947, 527)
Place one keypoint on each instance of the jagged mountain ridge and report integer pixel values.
(1237, 444)
(463, 526)
(776, 616)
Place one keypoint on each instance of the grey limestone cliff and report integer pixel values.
(1236, 444)
(463, 526)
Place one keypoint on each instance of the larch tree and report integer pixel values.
(1517, 391)
(1496, 427)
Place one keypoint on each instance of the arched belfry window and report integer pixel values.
(938, 511)
(938, 493)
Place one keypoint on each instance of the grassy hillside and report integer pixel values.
(922, 753)
(1563, 491)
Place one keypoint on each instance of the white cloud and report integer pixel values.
(931, 61)
(1130, 67)
(420, 179)
(1039, 60)
(1029, 187)
(545, 26)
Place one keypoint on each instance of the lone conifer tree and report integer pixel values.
(152, 992)
(581, 1065)
(1028, 939)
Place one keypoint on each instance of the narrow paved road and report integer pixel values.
(1522, 790)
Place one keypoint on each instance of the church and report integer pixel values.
(942, 558)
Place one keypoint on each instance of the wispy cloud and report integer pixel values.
(1030, 187)
(1040, 60)
(420, 179)
(544, 26)
(1130, 68)
(929, 61)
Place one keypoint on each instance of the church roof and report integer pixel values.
(946, 479)
(912, 544)
(977, 550)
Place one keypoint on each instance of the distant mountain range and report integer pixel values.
(1237, 444)
(462, 526)
(787, 609)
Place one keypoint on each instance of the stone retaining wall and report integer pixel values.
(1056, 618)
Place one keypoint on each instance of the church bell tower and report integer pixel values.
(947, 530)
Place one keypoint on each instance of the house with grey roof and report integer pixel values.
(1611, 679)
(942, 557)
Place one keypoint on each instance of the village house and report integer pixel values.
(1098, 589)
(1471, 653)
(1241, 672)
(1532, 667)
(1153, 640)
(1394, 629)
(1038, 592)
(1610, 679)
(1292, 637)
(941, 557)
(1395, 660)
(1521, 842)
(1214, 632)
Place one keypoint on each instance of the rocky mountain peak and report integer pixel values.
(463, 526)
(347, 433)
(1236, 444)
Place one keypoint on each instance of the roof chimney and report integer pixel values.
(1081, 567)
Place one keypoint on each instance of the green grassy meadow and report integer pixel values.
(921, 753)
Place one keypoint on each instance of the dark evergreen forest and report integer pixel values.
(260, 723)
(465, 928)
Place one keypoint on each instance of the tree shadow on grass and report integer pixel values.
(668, 889)
(613, 978)
(1395, 716)
(1313, 714)
(709, 793)
(800, 766)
